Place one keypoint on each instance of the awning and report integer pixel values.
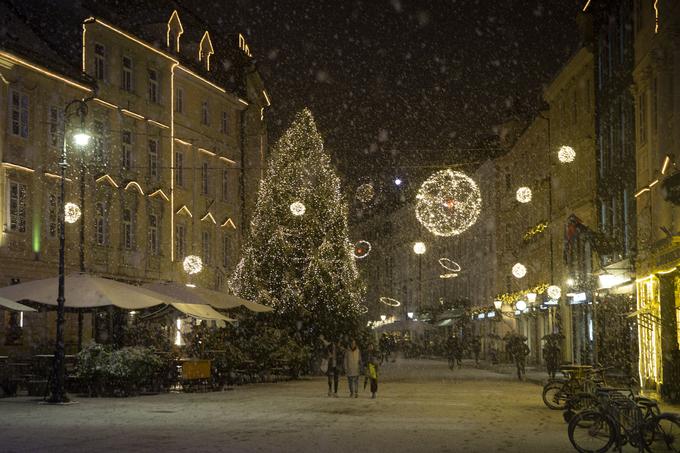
(446, 322)
(199, 311)
(6, 303)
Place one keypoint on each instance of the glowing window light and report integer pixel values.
(523, 195)
(554, 292)
(192, 264)
(71, 212)
(521, 305)
(519, 270)
(297, 208)
(566, 154)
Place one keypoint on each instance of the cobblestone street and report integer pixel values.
(421, 405)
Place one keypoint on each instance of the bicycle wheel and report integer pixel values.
(592, 432)
(554, 396)
(665, 433)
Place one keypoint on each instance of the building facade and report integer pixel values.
(173, 165)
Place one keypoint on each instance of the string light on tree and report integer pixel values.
(519, 270)
(71, 212)
(297, 208)
(554, 292)
(523, 195)
(566, 154)
(192, 264)
(362, 249)
(365, 192)
(448, 203)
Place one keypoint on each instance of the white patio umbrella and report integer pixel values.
(86, 291)
(196, 295)
(10, 304)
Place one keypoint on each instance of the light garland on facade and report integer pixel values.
(511, 298)
(535, 230)
(448, 203)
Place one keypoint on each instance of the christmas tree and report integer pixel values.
(298, 258)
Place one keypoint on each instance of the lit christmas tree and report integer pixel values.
(298, 259)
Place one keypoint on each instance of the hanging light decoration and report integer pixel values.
(566, 154)
(448, 203)
(193, 264)
(297, 208)
(71, 213)
(519, 270)
(523, 195)
(361, 249)
(365, 192)
(419, 248)
(521, 305)
(554, 292)
(390, 302)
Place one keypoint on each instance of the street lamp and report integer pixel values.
(419, 249)
(81, 138)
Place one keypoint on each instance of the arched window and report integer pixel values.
(153, 234)
(128, 230)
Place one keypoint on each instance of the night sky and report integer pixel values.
(395, 81)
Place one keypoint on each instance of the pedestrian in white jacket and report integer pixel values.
(353, 368)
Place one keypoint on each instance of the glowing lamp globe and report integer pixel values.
(554, 292)
(297, 208)
(566, 154)
(521, 305)
(419, 248)
(397, 181)
(193, 264)
(71, 213)
(519, 270)
(523, 195)
(81, 138)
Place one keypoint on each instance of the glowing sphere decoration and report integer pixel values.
(297, 208)
(521, 305)
(554, 292)
(566, 154)
(523, 195)
(71, 213)
(365, 192)
(519, 270)
(448, 203)
(192, 264)
(419, 248)
(390, 302)
(361, 249)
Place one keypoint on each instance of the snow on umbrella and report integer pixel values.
(196, 295)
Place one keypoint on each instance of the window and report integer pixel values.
(126, 140)
(128, 230)
(180, 241)
(224, 124)
(205, 117)
(98, 142)
(99, 62)
(153, 158)
(153, 86)
(19, 113)
(17, 207)
(100, 222)
(153, 234)
(225, 251)
(655, 104)
(52, 215)
(642, 115)
(126, 74)
(179, 100)
(205, 180)
(225, 184)
(206, 246)
(55, 124)
(179, 168)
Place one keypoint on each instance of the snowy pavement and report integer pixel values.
(421, 406)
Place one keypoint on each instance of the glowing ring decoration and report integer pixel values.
(192, 264)
(363, 309)
(297, 208)
(523, 195)
(449, 265)
(361, 249)
(365, 192)
(554, 292)
(566, 154)
(71, 213)
(448, 203)
(390, 302)
(451, 275)
(519, 270)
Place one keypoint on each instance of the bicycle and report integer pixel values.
(619, 420)
(579, 379)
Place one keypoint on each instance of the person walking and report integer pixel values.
(476, 348)
(353, 368)
(371, 360)
(332, 370)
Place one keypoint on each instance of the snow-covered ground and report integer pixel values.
(421, 406)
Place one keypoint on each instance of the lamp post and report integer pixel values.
(80, 138)
(419, 249)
